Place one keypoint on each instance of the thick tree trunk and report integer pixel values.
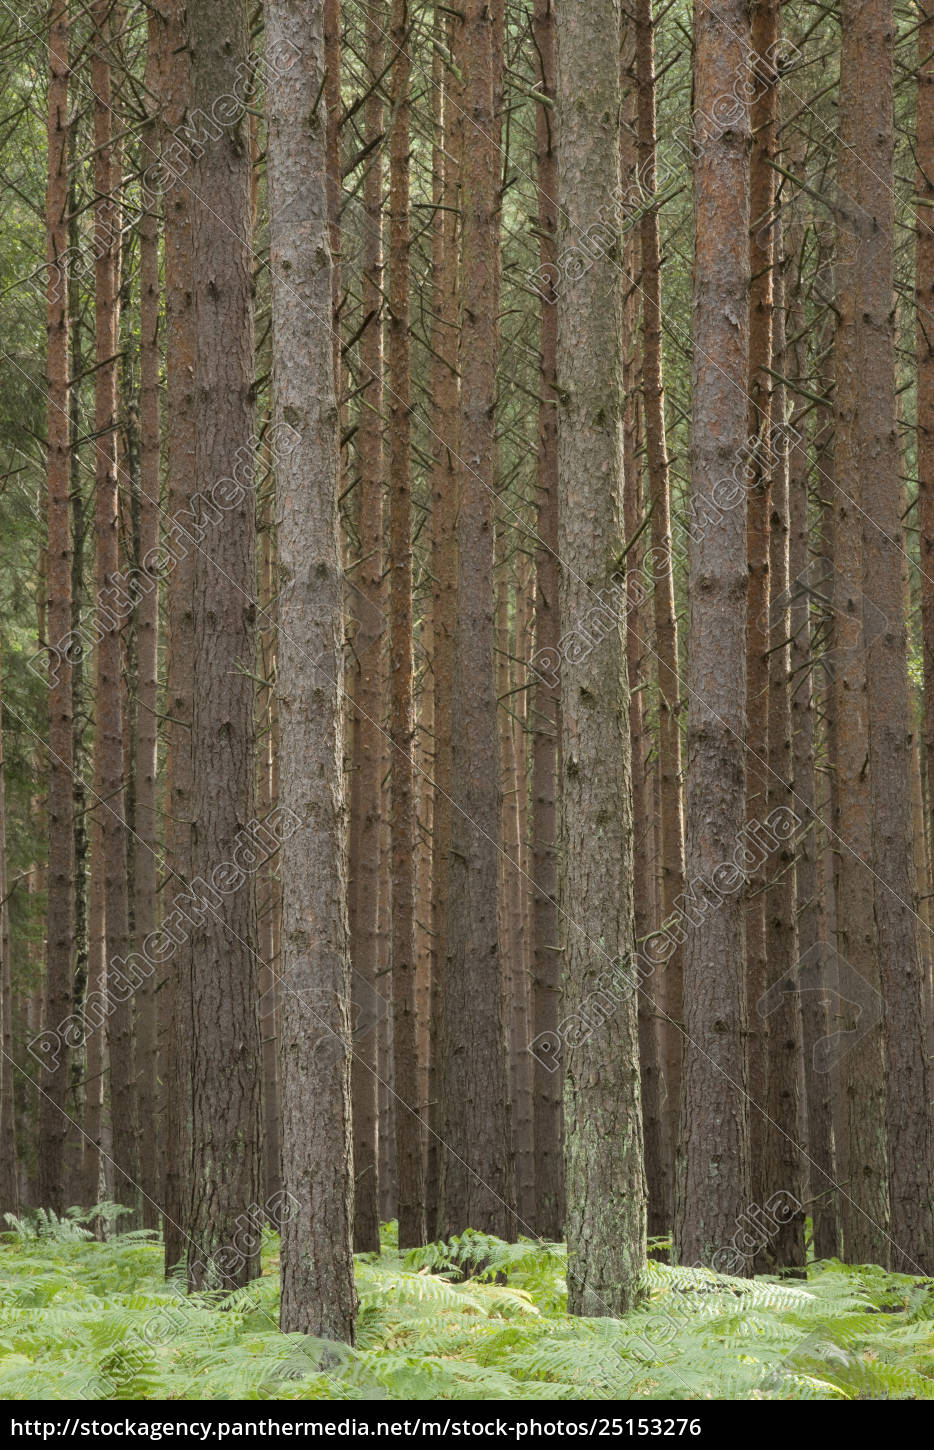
(866, 1205)
(53, 1078)
(475, 1173)
(713, 1183)
(603, 1145)
(318, 1294)
(226, 1185)
(867, 126)
(546, 699)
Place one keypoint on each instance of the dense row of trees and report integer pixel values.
(468, 630)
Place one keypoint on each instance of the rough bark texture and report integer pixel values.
(763, 119)
(867, 125)
(713, 1185)
(401, 691)
(865, 1205)
(318, 1294)
(60, 881)
(109, 769)
(225, 1187)
(444, 392)
(175, 1010)
(924, 296)
(475, 1173)
(783, 1166)
(671, 821)
(604, 1175)
(368, 684)
(546, 702)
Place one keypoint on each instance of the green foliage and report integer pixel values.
(90, 1319)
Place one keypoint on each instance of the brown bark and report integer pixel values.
(604, 1173)
(370, 712)
(318, 1295)
(762, 261)
(226, 1095)
(53, 1079)
(401, 692)
(475, 1187)
(175, 1010)
(671, 821)
(713, 1184)
(865, 1201)
(145, 902)
(546, 970)
(109, 766)
(867, 125)
(924, 297)
(448, 137)
(815, 1017)
(783, 1167)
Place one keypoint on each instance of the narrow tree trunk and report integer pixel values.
(109, 765)
(545, 703)
(448, 135)
(762, 174)
(53, 1077)
(9, 1188)
(224, 1225)
(783, 1169)
(175, 989)
(401, 692)
(603, 1149)
(663, 579)
(368, 685)
(318, 1295)
(475, 1118)
(713, 1184)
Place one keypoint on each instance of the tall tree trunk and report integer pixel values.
(868, 127)
(604, 1174)
(924, 297)
(815, 1018)
(448, 137)
(175, 1011)
(866, 1204)
(663, 592)
(763, 120)
(226, 1163)
(53, 1077)
(145, 905)
(783, 1168)
(9, 1187)
(475, 1175)
(713, 1183)
(546, 699)
(109, 764)
(318, 1294)
(368, 685)
(410, 1170)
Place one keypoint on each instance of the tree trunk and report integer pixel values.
(866, 1205)
(370, 712)
(318, 1294)
(401, 694)
(713, 1183)
(867, 125)
(53, 1077)
(604, 1174)
(226, 1187)
(475, 1176)
(546, 699)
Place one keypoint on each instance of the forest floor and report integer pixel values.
(84, 1319)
